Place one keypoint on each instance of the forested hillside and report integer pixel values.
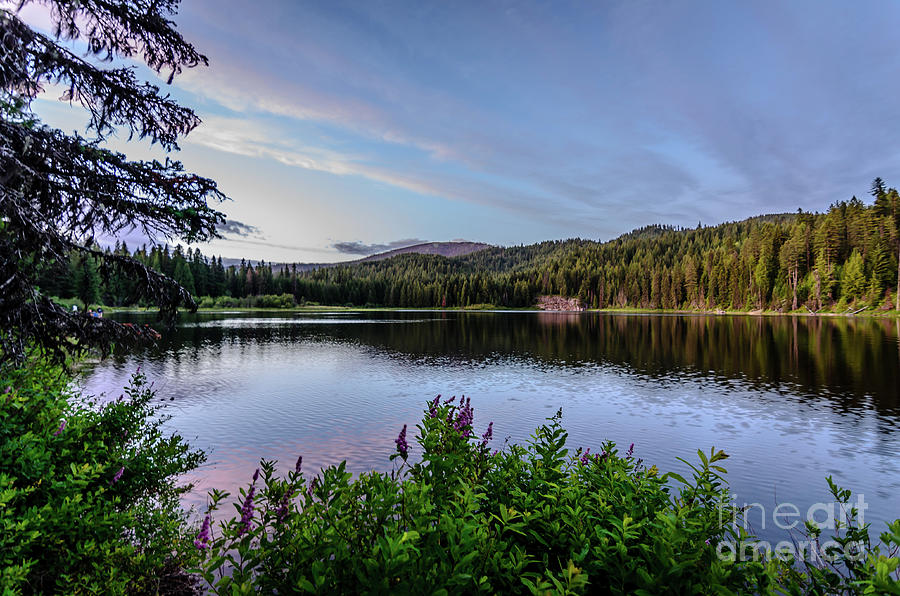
(844, 258)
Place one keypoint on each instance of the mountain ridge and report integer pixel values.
(456, 248)
(451, 249)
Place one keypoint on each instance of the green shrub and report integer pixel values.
(463, 519)
(88, 499)
(275, 301)
(227, 302)
(534, 519)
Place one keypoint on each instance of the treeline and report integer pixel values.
(845, 258)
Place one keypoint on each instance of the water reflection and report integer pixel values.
(852, 360)
(792, 399)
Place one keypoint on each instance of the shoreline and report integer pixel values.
(868, 314)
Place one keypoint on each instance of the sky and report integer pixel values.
(338, 129)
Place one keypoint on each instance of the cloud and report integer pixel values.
(232, 227)
(256, 138)
(596, 118)
(358, 248)
(238, 232)
(292, 247)
(451, 144)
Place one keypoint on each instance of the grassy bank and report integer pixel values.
(877, 313)
(285, 303)
(872, 313)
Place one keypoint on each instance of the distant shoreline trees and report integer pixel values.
(847, 256)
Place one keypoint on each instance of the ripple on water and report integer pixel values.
(335, 386)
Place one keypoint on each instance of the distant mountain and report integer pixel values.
(444, 249)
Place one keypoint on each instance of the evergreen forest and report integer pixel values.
(841, 260)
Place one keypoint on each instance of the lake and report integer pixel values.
(790, 399)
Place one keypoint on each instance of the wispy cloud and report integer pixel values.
(289, 247)
(577, 112)
(233, 227)
(255, 138)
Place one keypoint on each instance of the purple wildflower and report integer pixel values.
(432, 411)
(283, 505)
(707, 541)
(298, 465)
(117, 476)
(202, 540)
(630, 450)
(449, 401)
(62, 426)
(255, 475)
(402, 446)
(585, 457)
(488, 434)
(247, 511)
(464, 417)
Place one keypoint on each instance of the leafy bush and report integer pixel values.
(464, 519)
(263, 301)
(849, 563)
(534, 519)
(227, 302)
(88, 498)
(275, 301)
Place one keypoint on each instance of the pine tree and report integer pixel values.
(825, 275)
(183, 275)
(880, 270)
(86, 280)
(853, 280)
(57, 190)
(793, 257)
(878, 189)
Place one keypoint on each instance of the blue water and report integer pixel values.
(791, 400)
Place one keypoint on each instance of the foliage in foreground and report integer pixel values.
(88, 499)
(532, 519)
(89, 504)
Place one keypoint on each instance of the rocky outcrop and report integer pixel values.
(559, 303)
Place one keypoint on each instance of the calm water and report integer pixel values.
(792, 400)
